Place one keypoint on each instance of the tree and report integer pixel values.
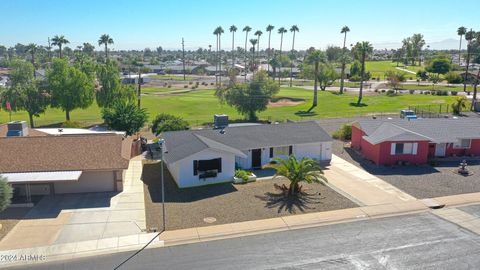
(326, 76)
(417, 44)
(394, 78)
(422, 75)
(246, 29)
(253, 42)
(453, 77)
(32, 49)
(297, 171)
(258, 33)
(293, 29)
(125, 116)
(459, 104)
(276, 64)
(70, 87)
(233, 29)
(269, 29)
(469, 36)
(315, 58)
(440, 64)
(434, 79)
(281, 31)
(24, 92)
(407, 48)
(59, 41)
(218, 32)
(248, 99)
(362, 51)
(333, 53)
(167, 122)
(6, 193)
(88, 49)
(111, 88)
(105, 40)
(461, 31)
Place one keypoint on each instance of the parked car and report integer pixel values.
(408, 114)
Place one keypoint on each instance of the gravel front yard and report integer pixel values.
(227, 203)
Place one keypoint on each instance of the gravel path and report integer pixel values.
(229, 203)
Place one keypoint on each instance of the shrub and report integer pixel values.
(453, 77)
(344, 133)
(411, 91)
(71, 124)
(185, 86)
(125, 116)
(167, 122)
(426, 92)
(376, 90)
(212, 83)
(354, 78)
(391, 93)
(453, 93)
(6, 193)
(190, 83)
(169, 86)
(243, 175)
(383, 90)
(442, 93)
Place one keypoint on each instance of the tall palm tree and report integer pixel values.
(59, 41)
(344, 31)
(32, 49)
(253, 42)
(417, 44)
(293, 29)
(246, 29)
(105, 40)
(477, 79)
(233, 29)
(469, 36)
(297, 171)
(461, 31)
(281, 31)
(258, 33)
(315, 57)
(362, 50)
(219, 31)
(269, 29)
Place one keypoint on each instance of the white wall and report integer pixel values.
(319, 151)
(182, 170)
(90, 181)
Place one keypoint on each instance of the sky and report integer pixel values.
(143, 24)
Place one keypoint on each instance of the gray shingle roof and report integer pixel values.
(181, 144)
(437, 130)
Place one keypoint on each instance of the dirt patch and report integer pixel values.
(284, 101)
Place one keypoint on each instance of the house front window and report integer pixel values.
(462, 144)
(404, 149)
(280, 151)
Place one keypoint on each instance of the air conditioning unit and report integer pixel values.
(220, 121)
(17, 129)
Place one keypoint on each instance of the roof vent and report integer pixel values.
(17, 129)
(60, 130)
(220, 121)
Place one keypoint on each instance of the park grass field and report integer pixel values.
(198, 107)
(378, 69)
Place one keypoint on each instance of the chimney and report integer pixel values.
(17, 129)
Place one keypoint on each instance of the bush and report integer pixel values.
(354, 78)
(426, 92)
(411, 91)
(125, 116)
(167, 122)
(71, 124)
(169, 86)
(376, 90)
(391, 93)
(190, 83)
(185, 86)
(6, 193)
(442, 93)
(453, 93)
(344, 133)
(453, 77)
(243, 175)
(212, 83)
(383, 90)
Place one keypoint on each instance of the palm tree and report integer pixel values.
(253, 42)
(297, 171)
(219, 31)
(281, 31)
(269, 30)
(293, 29)
(105, 40)
(459, 104)
(361, 51)
(475, 86)
(315, 57)
(417, 44)
(344, 31)
(275, 63)
(246, 29)
(258, 33)
(59, 41)
(32, 49)
(469, 36)
(461, 31)
(233, 29)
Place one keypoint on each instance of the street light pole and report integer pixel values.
(162, 143)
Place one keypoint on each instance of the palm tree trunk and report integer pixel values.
(291, 64)
(106, 52)
(474, 99)
(466, 72)
(280, 68)
(33, 63)
(216, 63)
(460, 49)
(220, 56)
(293, 189)
(253, 60)
(342, 76)
(360, 93)
(233, 52)
(60, 48)
(268, 62)
(315, 89)
(246, 53)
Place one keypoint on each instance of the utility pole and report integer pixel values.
(183, 55)
(139, 85)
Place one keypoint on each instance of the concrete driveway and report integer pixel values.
(81, 217)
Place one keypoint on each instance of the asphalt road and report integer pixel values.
(419, 241)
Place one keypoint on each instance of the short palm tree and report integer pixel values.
(32, 49)
(344, 31)
(362, 50)
(459, 104)
(105, 40)
(59, 41)
(461, 31)
(253, 42)
(297, 171)
(315, 57)
(246, 29)
(281, 31)
(233, 29)
(269, 29)
(258, 33)
(293, 29)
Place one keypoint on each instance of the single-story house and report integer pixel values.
(388, 142)
(199, 157)
(42, 162)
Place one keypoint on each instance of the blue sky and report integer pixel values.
(140, 24)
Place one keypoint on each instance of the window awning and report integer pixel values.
(35, 177)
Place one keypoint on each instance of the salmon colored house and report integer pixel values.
(388, 142)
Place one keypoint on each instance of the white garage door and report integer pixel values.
(88, 182)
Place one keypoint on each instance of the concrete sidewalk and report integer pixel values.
(360, 186)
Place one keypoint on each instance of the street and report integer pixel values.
(416, 241)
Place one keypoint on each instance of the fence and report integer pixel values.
(431, 111)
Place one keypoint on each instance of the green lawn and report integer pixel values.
(198, 107)
(173, 78)
(160, 89)
(378, 68)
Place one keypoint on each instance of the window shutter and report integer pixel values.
(271, 152)
(219, 160)
(290, 150)
(392, 149)
(415, 146)
(195, 166)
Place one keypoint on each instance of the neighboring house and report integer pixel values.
(46, 161)
(388, 142)
(199, 157)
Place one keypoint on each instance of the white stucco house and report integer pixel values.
(199, 157)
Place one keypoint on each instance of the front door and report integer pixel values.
(440, 149)
(256, 158)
